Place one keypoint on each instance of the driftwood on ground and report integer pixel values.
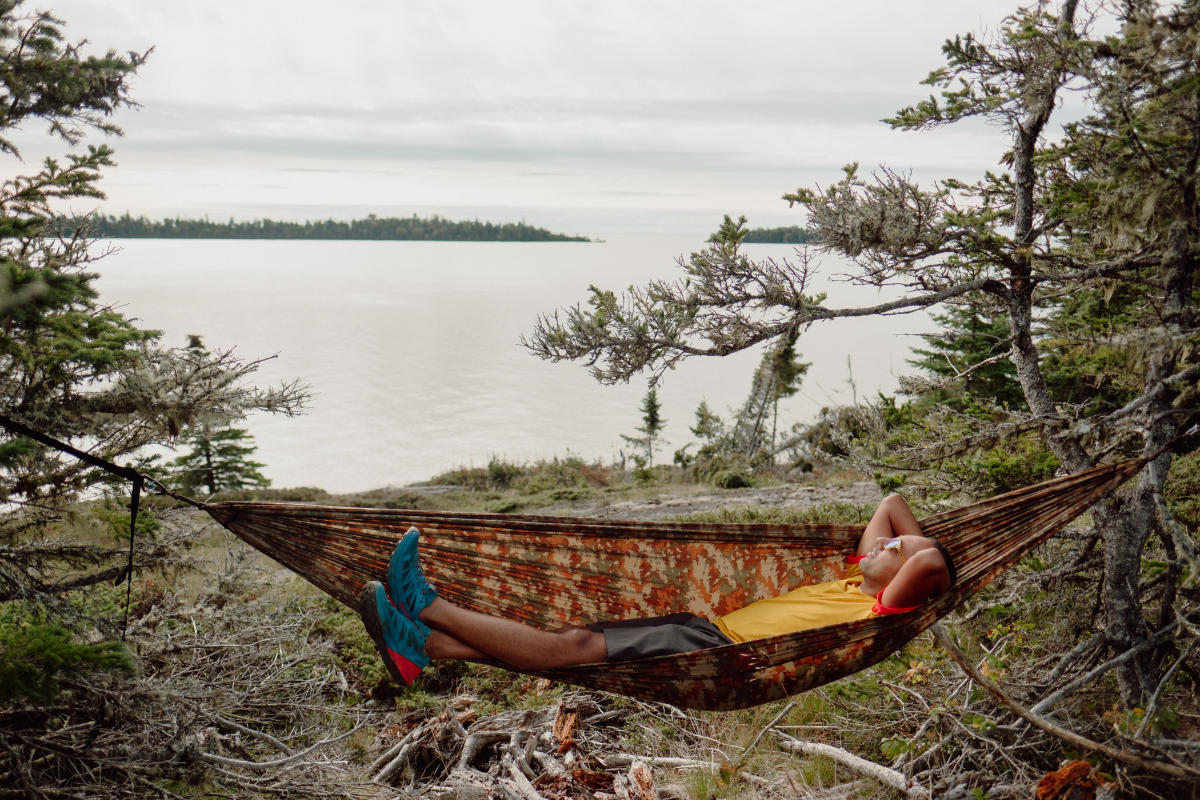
(524, 754)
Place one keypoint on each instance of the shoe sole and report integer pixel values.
(370, 617)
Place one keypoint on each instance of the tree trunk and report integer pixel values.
(1123, 543)
(1124, 525)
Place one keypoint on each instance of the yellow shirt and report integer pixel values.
(808, 607)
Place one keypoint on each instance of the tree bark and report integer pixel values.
(1124, 544)
(1020, 284)
(1124, 525)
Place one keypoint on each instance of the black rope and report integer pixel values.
(128, 473)
(133, 512)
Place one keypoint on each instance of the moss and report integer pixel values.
(1183, 490)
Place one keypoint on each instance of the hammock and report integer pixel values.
(547, 571)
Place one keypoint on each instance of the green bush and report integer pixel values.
(33, 658)
(501, 474)
(1017, 462)
(733, 479)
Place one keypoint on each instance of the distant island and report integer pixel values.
(792, 234)
(372, 228)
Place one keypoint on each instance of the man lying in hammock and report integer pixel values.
(896, 569)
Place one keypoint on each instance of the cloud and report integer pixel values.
(742, 133)
(530, 102)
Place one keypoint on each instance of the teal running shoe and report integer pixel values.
(400, 640)
(409, 590)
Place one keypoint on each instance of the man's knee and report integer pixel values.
(584, 644)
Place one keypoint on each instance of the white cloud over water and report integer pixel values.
(601, 116)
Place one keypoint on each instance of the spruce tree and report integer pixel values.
(71, 366)
(1111, 208)
(708, 427)
(219, 461)
(652, 425)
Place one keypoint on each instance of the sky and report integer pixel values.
(595, 118)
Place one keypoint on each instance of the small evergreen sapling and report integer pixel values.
(652, 425)
(219, 461)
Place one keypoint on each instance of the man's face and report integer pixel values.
(888, 555)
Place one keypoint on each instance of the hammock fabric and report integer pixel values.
(548, 571)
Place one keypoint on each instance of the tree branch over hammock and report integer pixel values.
(726, 303)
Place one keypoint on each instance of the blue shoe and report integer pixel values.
(410, 592)
(400, 640)
(403, 558)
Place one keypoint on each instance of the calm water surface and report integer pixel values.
(411, 348)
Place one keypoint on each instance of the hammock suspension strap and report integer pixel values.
(137, 479)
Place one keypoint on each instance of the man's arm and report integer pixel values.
(892, 518)
(921, 577)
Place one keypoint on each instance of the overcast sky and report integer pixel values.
(597, 118)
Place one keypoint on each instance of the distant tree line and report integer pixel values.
(788, 234)
(433, 228)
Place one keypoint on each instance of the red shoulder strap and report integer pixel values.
(880, 608)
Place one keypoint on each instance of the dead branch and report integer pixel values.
(1072, 658)
(266, 737)
(1152, 705)
(1124, 756)
(212, 758)
(885, 775)
(1158, 638)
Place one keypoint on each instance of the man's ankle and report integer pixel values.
(431, 613)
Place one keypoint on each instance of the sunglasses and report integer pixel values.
(897, 545)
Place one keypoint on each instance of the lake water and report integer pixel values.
(411, 348)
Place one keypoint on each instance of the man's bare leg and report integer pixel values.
(459, 633)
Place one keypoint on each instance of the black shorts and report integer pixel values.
(658, 636)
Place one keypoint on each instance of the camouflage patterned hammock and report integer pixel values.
(551, 570)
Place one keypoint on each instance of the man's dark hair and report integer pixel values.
(949, 561)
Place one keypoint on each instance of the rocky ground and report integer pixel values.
(668, 501)
(682, 501)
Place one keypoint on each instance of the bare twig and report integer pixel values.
(1124, 756)
(212, 758)
(627, 759)
(741, 759)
